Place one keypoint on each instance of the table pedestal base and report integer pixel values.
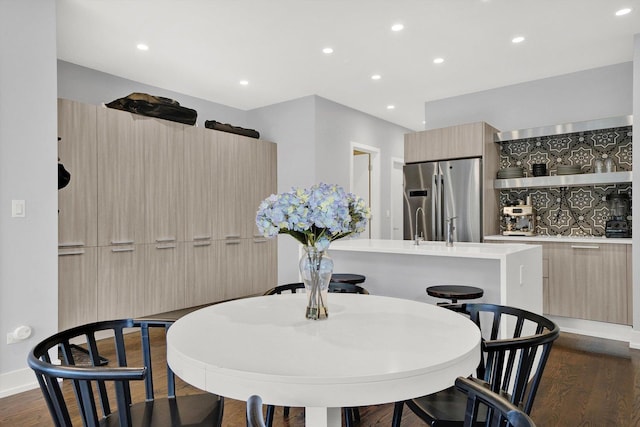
(322, 417)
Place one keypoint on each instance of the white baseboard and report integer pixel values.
(611, 331)
(15, 382)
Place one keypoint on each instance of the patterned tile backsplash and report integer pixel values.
(569, 211)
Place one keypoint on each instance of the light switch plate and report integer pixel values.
(17, 208)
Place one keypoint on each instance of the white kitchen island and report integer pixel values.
(510, 274)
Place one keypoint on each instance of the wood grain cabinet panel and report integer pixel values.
(264, 262)
(77, 286)
(163, 143)
(120, 179)
(121, 276)
(164, 281)
(235, 255)
(200, 188)
(589, 281)
(77, 202)
(452, 142)
(264, 184)
(204, 273)
(235, 177)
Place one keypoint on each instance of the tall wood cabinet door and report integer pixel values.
(77, 286)
(264, 265)
(164, 277)
(565, 299)
(235, 256)
(120, 282)
(235, 177)
(163, 143)
(120, 179)
(204, 273)
(200, 186)
(77, 150)
(264, 183)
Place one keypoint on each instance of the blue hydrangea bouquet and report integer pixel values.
(315, 217)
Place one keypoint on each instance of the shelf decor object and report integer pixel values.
(314, 217)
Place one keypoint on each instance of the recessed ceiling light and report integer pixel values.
(327, 50)
(244, 82)
(518, 39)
(397, 27)
(624, 11)
(390, 107)
(438, 60)
(142, 46)
(376, 77)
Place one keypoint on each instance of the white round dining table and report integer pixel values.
(370, 350)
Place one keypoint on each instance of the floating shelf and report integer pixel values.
(565, 180)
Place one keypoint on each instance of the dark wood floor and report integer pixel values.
(587, 382)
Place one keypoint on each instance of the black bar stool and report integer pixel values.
(454, 292)
(354, 279)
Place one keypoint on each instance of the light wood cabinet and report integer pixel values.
(589, 281)
(121, 275)
(263, 163)
(77, 202)
(163, 144)
(160, 217)
(264, 274)
(235, 255)
(204, 273)
(120, 179)
(164, 281)
(235, 178)
(452, 142)
(201, 190)
(77, 286)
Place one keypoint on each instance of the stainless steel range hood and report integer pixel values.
(610, 122)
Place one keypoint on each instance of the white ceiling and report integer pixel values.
(203, 48)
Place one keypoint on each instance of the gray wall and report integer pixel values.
(95, 87)
(585, 95)
(28, 165)
(291, 125)
(337, 127)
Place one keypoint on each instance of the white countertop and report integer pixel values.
(559, 239)
(459, 249)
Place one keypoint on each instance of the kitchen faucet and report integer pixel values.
(450, 229)
(416, 236)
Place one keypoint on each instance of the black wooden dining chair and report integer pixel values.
(515, 348)
(350, 414)
(254, 412)
(286, 288)
(481, 400)
(103, 393)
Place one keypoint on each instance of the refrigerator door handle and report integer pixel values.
(441, 218)
(434, 208)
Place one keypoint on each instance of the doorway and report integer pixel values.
(365, 183)
(396, 197)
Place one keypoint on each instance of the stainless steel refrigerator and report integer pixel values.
(443, 189)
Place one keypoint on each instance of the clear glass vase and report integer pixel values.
(316, 268)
